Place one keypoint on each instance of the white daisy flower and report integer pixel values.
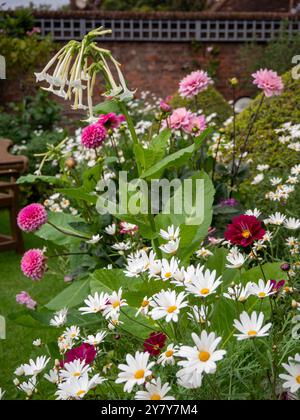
(77, 387)
(145, 306)
(95, 340)
(262, 289)
(204, 283)
(154, 391)
(94, 239)
(95, 304)
(167, 357)
(171, 247)
(258, 179)
(60, 318)
(135, 371)
(72, 333)
(292, 223)
(203, 253)
(122, 246)
(238, 293)
(77, 368)
(256, 213)
(235, 258)
(168, 268)
(190, 381)
(111, 229)
(166, 304)
(114, 304)
(251, 327)
(52, 376)
(37, 342)
(295, 170)
(28, 387)
(19, 371)
(275, 219)
(202, 357)
(35, 367)
(114, 322)
(292, 241)
(275, 181)
(138, 263)
(292, 378)
(199, 314)
(171, 234)
(262, 168)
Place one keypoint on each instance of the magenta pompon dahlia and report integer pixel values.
(93, 136)
(194, 83)
(32, 217)
(269, 82)
(34, 264)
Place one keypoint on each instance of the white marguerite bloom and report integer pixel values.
(251, 327)
(292, 378)
(166, 304)
(135, 372)
(77, 387)
(199, 314)
(202, 357)
(115, 303)
(262, 168)
(171, 234)
(168, 268)
(256, 213)
(77, 368)
(238, 293)
(37, 342)
(2, 393)
(262, 289)
(95, 340)
(203, 253)
(191, 381)
(292, 223)
(28, 387)
(145, 306)
(295, 170)
(258, 179)
(95, 304)
(155, 391)
(60, 318)
(138, 263)
(170, 247)
(275, 181)
(114, 322)
(275, 219)
(203, 283)
(72, 333)
(292, 241)
(52, 376)
(94, 239)
(167, 357)
(19, 371)
(122, 246)
(235, 258)
(111, 229)
(35, 367)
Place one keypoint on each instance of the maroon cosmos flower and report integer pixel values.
(277, 285)
(244, 230)
(84, 352)
(154, 343)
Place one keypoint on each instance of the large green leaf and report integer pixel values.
(106, 107)
(31, 179)
(72, 296)
(79, 194)
(155, 152)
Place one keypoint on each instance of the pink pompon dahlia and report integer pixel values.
(84, 352)
(34, 264)
(244, 230)
(194, 83)
(93, 136)
(269, 82)
(32, 217)
(197, 125)
(111, 120)
(180, 119)
(24, 298)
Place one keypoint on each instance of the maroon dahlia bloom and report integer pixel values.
(154, 343)
(84, 352)
(244, 230)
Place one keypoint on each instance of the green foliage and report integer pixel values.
(149, 5)
(18, 24)
(210, 101)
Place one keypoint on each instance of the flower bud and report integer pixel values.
(70, 163)
(285, 267)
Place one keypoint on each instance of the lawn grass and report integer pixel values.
(17, 347)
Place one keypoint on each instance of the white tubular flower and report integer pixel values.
(251, 327)
(166, 304)
(155, 391)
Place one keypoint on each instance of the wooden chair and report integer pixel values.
(11, 167)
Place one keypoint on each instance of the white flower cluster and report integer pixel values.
(58, 204)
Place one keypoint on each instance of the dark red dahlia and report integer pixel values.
(111, 120)
(244, 230)
(83, 352)
(154, 343)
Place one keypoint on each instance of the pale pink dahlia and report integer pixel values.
(32, 217)
(180, 119)
(93, 136)
(24, 298)
(269, 82)
(111, 120)
(197, 124)
(34, 264)
(194, 83)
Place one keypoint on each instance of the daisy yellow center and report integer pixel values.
(169, 353)
(298, 379)
(139, 374)
(155, 397)
(116, 304)
(145, 303)
(172, 309)
(204, 291)
(79, 393)
(252, 333)
(168, 275)
(246, 234)
(73, 335)
(262, 295)
(204, 356)
(76, 374)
